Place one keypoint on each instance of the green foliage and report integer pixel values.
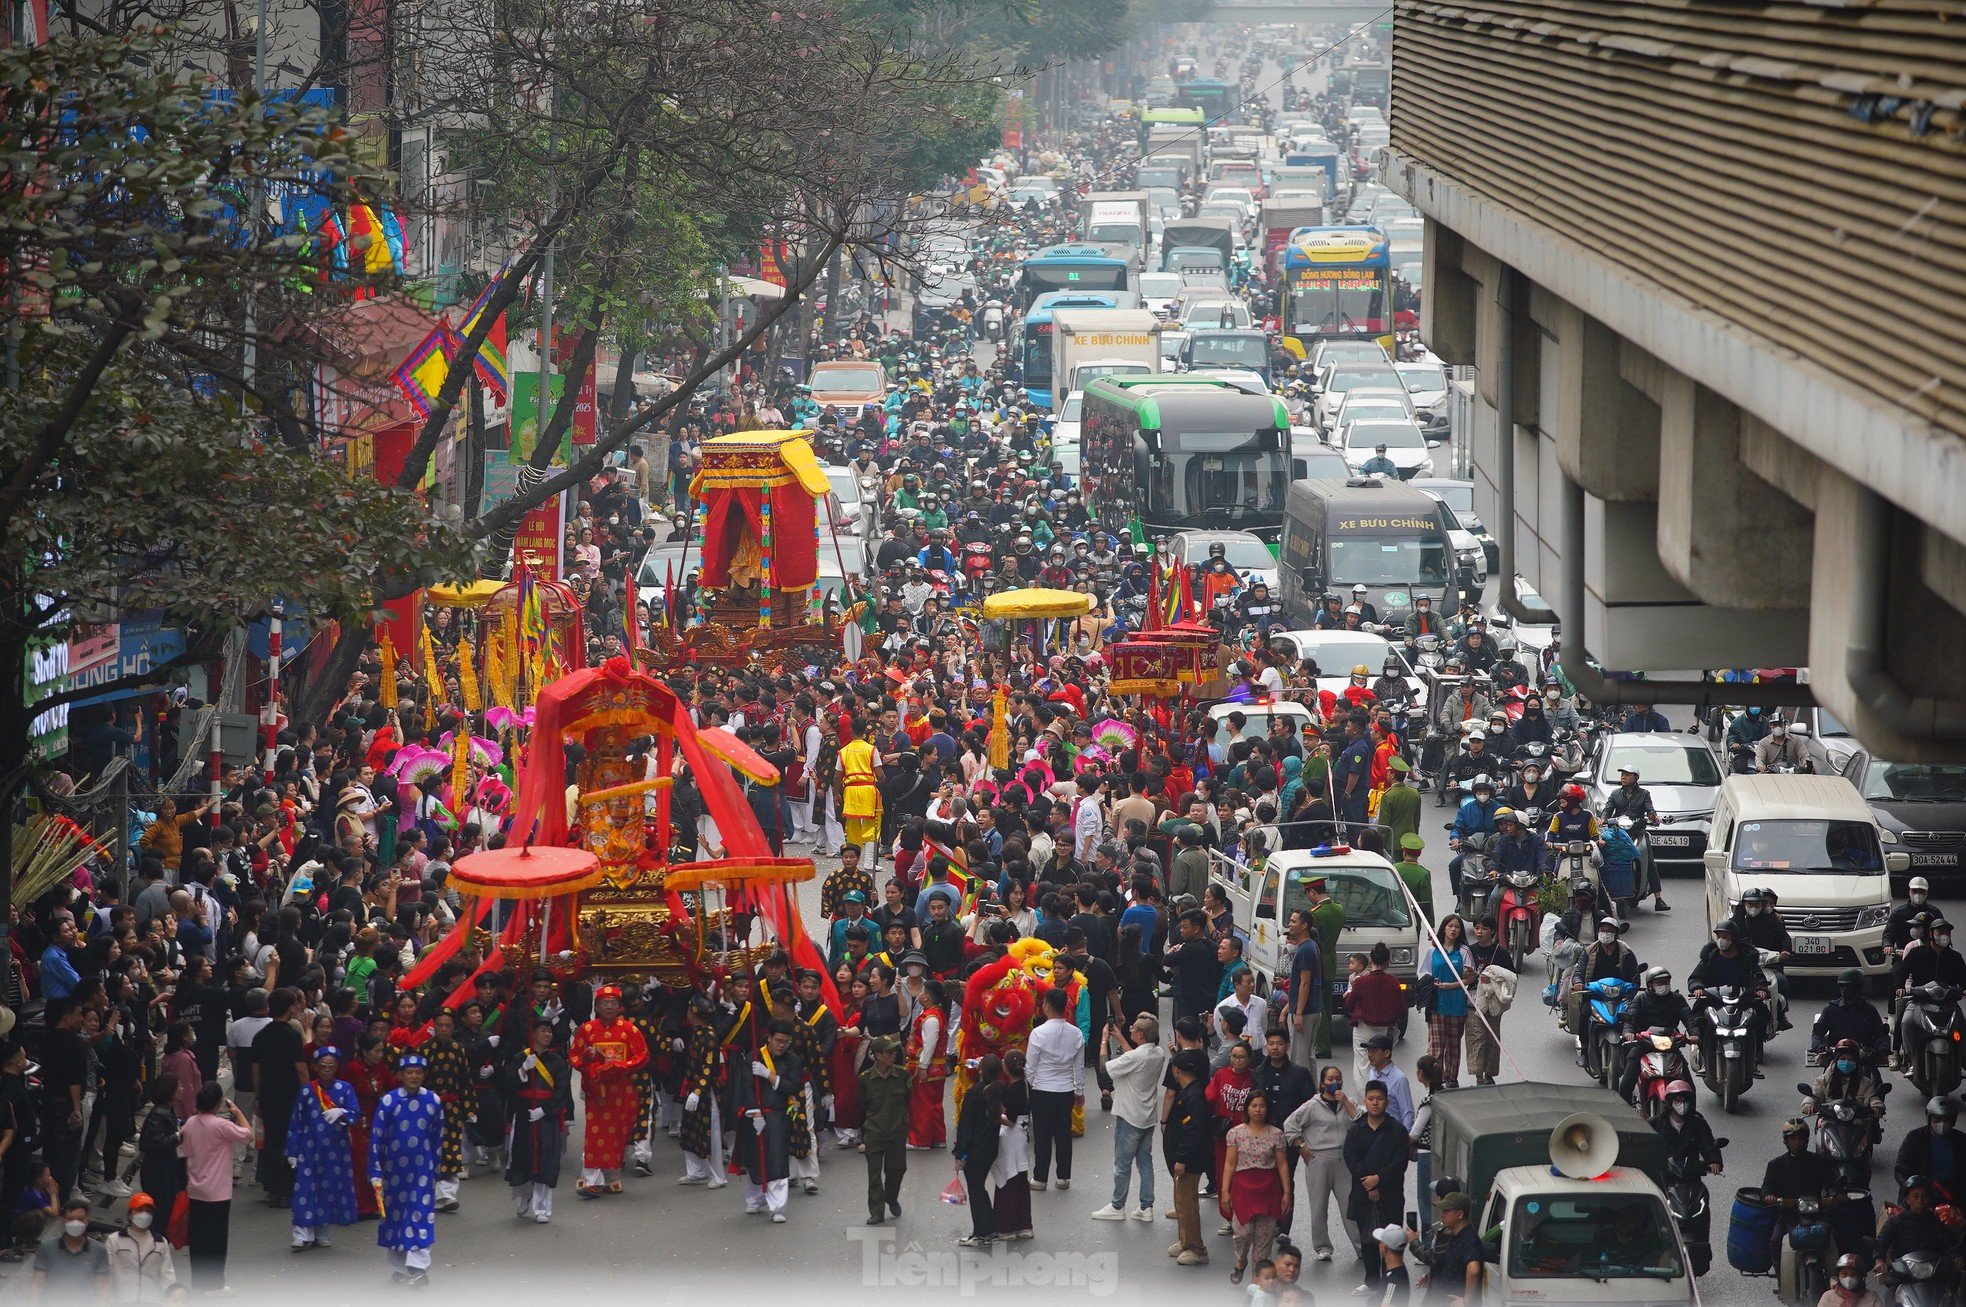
(131, 476)
(156, 501)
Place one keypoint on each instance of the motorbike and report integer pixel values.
(1604, 1008)
(1807, 1255)
(993, 320)
(1692, 1212)
(1660, 1062)
(1846, 1132)
(1517, 915)
(977, 559)
(1931, 1057)
(1918, 1280)
(1728, 1046)
(1478, 878)
(1575, 865)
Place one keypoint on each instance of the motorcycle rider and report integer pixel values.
(1915, 1227)
(1746, 731)
(1572, 821)
(1656, 1006)
(1329, 616)
(1935, 959)
(937, 556)
(1466, 704)
(1723, 964)
(1476, 649)
(1848, 1289)
(1379, 465)
(1530, 789)
(1422, 620)
(1514, 848)
(1366, 611)
(1392, 686)
(1794, 1173)
(1846, 1075)
(1685, 1131)
(1642, 719)
(1605, 957)
(1258, 609)
(1850, 1016)
(1476, 816)
(1936, 1150)
(1781, 748)
(1508, 671)
(1897, 928)
(1762, 928)
(1562, 713)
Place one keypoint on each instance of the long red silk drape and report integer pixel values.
(795, 551)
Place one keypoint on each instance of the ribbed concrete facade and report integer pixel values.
(1719, 247)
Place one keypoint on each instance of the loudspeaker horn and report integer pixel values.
(1583, 1146)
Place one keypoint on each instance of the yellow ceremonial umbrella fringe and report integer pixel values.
(496, 678)
(430, 670)
(460, 764)
(386, 687)
(467, 677)
(999, 743)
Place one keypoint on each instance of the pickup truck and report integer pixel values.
(1375, 910)
(1569, 1197)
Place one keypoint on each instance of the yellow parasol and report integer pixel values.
(1013, 605)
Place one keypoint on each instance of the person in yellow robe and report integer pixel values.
(860, 793)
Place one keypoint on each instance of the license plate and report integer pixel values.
(1672, 841)
(1935, 859)
(1813, 944)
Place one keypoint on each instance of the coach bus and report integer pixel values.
(1034, 337)
(1184, 453)
(1337, 283)
(1216, 99)
(1074, 268)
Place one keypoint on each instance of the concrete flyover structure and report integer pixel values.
(1346, 12)
(1708, 256)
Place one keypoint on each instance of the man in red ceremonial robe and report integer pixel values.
(607, 1051)
(928, 1069)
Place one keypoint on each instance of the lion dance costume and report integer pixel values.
(1000, 1004)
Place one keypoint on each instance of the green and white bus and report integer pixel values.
(1184, 453)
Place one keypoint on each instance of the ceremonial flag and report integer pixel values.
(371, 243)
(667, 608)
(422, 375)
(1176, 596)
(489, 361)
(630, 617)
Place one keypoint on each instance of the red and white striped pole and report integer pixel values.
(271, 724)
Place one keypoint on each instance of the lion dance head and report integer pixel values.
(1000, 1003)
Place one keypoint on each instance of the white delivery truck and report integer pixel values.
(1083, 337)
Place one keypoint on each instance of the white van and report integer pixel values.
(1376, 911)
(1814, 842)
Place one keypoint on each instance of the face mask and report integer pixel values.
(1918, 896)
(1753, 909)
(1941, 1126)
(75, 1229)
(1850, 1283)
(1607, 937)
(1942, 940)
(141, 1220)
(1662, 990)
(1680, 1109)
(1723, 942)
(1845, 1065)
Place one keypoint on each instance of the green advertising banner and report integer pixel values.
(525, 413)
